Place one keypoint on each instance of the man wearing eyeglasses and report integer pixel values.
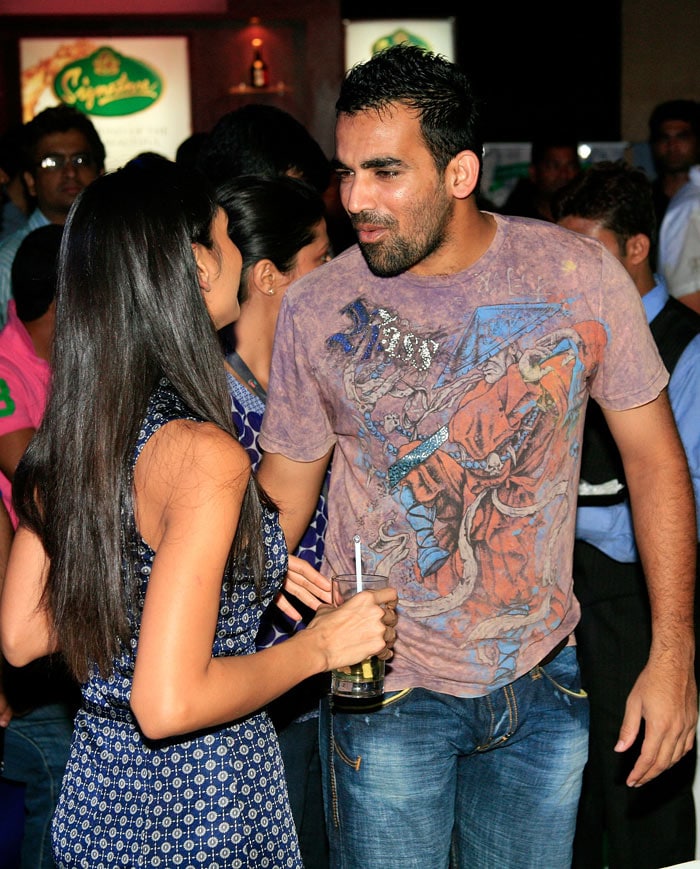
(63, 153)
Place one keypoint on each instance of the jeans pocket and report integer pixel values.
(563, 672)
(391, 700)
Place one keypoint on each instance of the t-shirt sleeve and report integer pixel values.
(15, 403)
(296, 422)
(630, 371)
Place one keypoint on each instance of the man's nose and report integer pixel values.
(357, 195)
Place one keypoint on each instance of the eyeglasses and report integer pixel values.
(57, 162)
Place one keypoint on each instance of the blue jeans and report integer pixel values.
(429, 780)
(36, 752)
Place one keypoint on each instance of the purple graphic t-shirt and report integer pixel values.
(456, 404)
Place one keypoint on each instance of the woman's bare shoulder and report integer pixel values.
(189, 457)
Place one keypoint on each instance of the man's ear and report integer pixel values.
(29, 181)
(637, 248)
(462, 174)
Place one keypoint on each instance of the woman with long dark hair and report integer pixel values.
(146, 553)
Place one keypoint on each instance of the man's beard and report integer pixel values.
(398, 253)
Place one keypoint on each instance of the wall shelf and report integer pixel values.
(280, 88)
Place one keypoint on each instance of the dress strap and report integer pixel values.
(246, 375)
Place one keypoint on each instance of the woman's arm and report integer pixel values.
(26, 627)
(190, 482)
(6, 535)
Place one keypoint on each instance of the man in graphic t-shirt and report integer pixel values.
(447, 362)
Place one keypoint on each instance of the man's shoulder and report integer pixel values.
(543, 237)
(348, 262)
(687, 199)
(10, 244)
(12, 241)
(16, 349)
(19, 367)
(676, 319)
(349, 259)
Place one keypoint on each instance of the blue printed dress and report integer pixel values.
(216, 799)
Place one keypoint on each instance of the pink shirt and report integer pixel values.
(24, 384)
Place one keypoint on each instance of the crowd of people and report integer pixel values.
(218, 371)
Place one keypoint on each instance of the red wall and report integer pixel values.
(111, 7)
(302, 44)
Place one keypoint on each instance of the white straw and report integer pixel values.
(358, 562)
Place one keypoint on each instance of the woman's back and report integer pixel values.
(131, 800)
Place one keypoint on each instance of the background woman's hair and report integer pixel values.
(129, 312)
(269, 218)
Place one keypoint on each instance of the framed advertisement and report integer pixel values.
(136, 90)
(365, 38)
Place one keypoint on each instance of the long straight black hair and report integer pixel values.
(129, 312)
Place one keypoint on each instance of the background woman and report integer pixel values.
(278, 226)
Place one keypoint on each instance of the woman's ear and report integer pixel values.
(265, 277)
(200, 259)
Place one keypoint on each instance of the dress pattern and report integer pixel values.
(301, 703)
(217, 798)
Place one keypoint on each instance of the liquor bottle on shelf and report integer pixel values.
(259, 75)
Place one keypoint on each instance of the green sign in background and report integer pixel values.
(108, 83)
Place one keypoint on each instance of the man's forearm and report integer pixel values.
(295, 487)
(663, 510)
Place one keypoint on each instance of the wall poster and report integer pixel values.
(136, 90)
(365, 38)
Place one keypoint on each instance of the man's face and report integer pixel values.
(56, 188)
(391, 189)
(559, 166)
(675, 149)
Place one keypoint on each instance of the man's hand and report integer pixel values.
(663, 511)
(665, 696)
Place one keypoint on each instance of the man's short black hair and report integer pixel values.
(35, 272)
(60, 119)
(544, 140)
(674, 110)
